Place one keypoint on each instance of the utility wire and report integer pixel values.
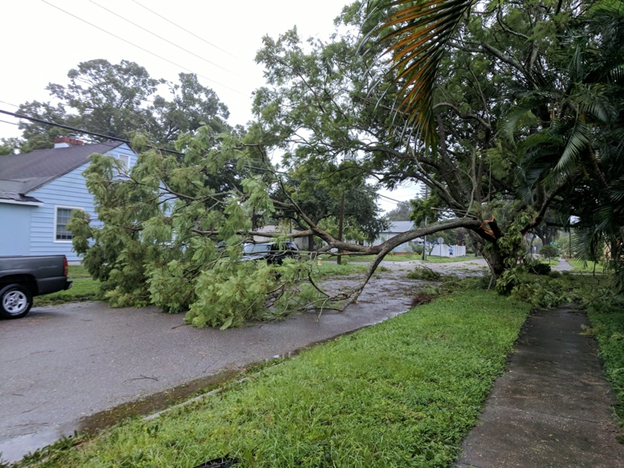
(8, 103)
(100, 135)
(185, 30)
(79, 130)
(141, 48)
(167, 40)
(7, 122)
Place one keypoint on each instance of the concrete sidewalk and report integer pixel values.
(553, 407)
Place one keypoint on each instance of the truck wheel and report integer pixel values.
(15, 301)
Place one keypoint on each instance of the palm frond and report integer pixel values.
(417, 33)
(577, 142)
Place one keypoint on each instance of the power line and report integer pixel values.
(167, 40)
(79, 130)
(185, 30)
(121, 140)
(141, 48)
(8, 104)
(7, 122)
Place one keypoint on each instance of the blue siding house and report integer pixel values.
(398, 227)
(38, 191)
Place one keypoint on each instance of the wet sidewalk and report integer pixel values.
(553, 407)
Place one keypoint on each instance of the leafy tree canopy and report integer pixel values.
(526, 110)
(402, 212)
(119, 100)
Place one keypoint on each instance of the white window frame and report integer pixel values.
(55, 221)
(124, 159)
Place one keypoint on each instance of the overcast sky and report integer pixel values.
(43, 39)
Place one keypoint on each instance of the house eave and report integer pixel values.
(31, 202)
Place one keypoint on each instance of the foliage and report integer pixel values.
(320, 200)
(549, 252)
(606, 315)
(120, 100)
(547, 291)
(416, 38)
(402, 212)
(156, 243)
(554, 85)
(231, 294)
(401, 393)
(495, 167)
(424, 273)
(8, 146)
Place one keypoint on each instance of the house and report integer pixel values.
(399, 227)
(39, 189)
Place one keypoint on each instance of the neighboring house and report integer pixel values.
(273, 230)
(399, 227)
(39, 189)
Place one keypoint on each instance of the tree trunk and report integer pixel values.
(491, 253)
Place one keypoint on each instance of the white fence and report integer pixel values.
(448, 250)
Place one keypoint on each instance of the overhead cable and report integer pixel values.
(141, 48)
(167, 40)
(186, 30)
(79, 130)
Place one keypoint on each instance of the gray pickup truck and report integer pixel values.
(22, 278)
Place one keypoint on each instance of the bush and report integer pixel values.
(417, 249)
(424, 273)
(539, 268)
(550, 252)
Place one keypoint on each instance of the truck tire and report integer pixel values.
(15, 301)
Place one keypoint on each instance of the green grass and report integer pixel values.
(409, 257)
(585, 266)
(370, 258)
(330, 268)
(403, 393)
(607, 319)
(83, 289)
(436, 259)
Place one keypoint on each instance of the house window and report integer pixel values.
(62, 218)
(124, 159)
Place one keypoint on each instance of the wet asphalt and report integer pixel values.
(84, 365)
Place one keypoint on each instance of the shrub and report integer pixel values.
(424, 273)
(549, 252)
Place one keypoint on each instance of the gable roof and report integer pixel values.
(398, 227)
(23, 173)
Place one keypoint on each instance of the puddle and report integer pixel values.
(14, 449)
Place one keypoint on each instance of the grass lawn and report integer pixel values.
(403, 393)
(436, 259)
(330, 268)
(607, 319)
(408, 257)
(585, 266)
(83, 289)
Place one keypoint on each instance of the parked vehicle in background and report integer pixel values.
(272, 252)
(22, 278)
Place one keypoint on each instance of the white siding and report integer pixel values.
(14, 229)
